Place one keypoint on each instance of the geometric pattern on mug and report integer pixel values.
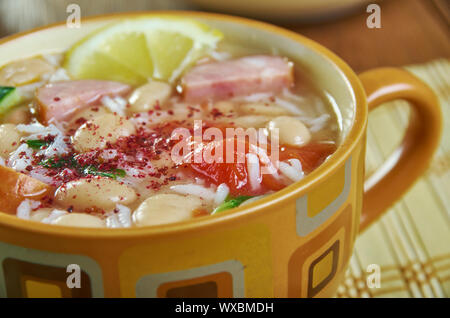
(313, 266)
(30, 273)
(323, 269)
(225, 279)
(313, 209)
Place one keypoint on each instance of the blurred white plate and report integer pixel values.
(293, 10)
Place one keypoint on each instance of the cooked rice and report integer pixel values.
(319, 123)
(290, 172)
(221, 193)
(39, 131)
(21, 158)
(290, 107)
(265, 159)
(295, 163)
(115, 105)
(25, 207)
(194, 189)
(40, 174)
(257, 97)
(124, 215)
(112, 221)
(288, 94)
(254, 172)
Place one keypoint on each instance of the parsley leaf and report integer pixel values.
(231, 203)
(56, 163)
(37, 144)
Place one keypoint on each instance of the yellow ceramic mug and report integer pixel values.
(294, 243)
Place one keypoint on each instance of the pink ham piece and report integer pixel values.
(58, 101)
(239, 77)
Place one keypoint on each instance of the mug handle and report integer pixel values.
(411, 158)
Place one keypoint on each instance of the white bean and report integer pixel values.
(165, 208)
(79, 220)
(103, 193)
(96, 133)
(291, 131)
(9, 139)
(149, 95)
(89, 114)
(24, 72)
(40, 214)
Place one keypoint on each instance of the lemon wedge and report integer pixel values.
(133, 51)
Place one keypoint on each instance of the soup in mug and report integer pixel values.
(145, 141)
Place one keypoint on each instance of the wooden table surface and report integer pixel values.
(413, 31)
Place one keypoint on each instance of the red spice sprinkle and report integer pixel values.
(80, 121)
(56, 99)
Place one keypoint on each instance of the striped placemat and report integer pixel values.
(411, 242)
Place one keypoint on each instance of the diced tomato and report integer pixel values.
(311, 156)
(16, 187)
(234, 174)
(272, 183)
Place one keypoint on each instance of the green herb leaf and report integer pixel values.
(37, 144)
(5, 90)
(47, 163)
(52, 163)
(56, 163)
(231, 203)
(113, 174)
(9, 98)
(120, 173)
